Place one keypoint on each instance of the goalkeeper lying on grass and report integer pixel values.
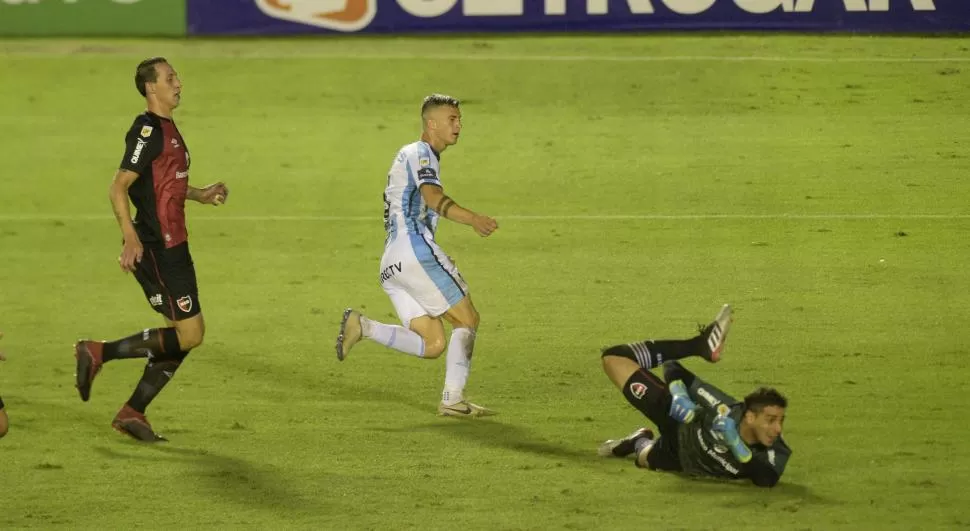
(703, 431)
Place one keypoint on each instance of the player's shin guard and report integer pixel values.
(648, 394)
(152, 342)
(157, 374)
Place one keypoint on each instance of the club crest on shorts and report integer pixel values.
(185, 303)
(638, 389)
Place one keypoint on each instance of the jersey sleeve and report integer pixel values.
(701, 392)
(426, 168)
(767, 465)
(143, 144)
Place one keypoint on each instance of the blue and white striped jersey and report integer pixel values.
(404, 208)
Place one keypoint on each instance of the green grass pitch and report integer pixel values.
(639, 182)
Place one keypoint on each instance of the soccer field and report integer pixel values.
(819, 184)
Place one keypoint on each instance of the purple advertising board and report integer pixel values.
(289, 17)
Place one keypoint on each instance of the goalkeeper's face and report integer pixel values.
(766, 424)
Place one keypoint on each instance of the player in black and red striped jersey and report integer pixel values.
(154, 176)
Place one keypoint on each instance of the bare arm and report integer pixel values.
(434, 196)
(213, 194)
(118, 194)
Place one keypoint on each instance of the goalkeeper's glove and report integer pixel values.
(727, 429)
(681, 406)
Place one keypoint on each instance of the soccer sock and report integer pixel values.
(154, 342)
(650, 354)
(157, 374)
(459, 362)
(648, 394)
(642, 443)
(396, 337)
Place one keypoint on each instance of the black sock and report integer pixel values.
(153, 380)
(159, 343)
(650, 354)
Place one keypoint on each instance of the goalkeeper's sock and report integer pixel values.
(159, 343)
(650, 354)
(393, 336)
(459, 362)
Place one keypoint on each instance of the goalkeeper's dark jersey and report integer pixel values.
(702, 452)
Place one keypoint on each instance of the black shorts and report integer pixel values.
(167, 277)
(664, 454)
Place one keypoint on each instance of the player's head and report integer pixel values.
(764, 414)
(441, 116)
(158, 82)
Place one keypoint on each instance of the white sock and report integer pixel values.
(396, 337)
(459, 362)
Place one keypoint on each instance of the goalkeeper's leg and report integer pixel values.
(642, 389)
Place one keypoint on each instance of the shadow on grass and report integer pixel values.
(499, 435)
(228, 477)
(789, 496)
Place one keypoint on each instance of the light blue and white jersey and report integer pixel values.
(404, 209)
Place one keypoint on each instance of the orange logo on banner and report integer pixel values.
(340, 15)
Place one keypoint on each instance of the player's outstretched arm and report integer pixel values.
(446, 207)
(118, 194)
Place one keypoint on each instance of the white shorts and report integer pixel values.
(419, 277)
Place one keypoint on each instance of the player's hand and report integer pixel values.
(682, 409)
(727, 429)
(484, 225)
(214, 194)
(131, 254)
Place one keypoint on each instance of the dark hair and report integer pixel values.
(146, 73)
(438, 100)
(763, 397)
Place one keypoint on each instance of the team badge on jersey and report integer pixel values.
(637, 389)
(424, 162)
(146, 131)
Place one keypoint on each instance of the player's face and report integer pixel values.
(767, 424)
(446, 124)
(167, 86)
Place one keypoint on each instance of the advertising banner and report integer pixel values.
(92, 17)
(286, 17)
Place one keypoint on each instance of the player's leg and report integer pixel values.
(641, 388)
(464, 319)
(441, 290)
(422, 335)
(184, 316)
(708, 344)
(155, 342)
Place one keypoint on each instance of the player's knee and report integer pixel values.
(612, 355)
(434, 347)
(190, 338)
